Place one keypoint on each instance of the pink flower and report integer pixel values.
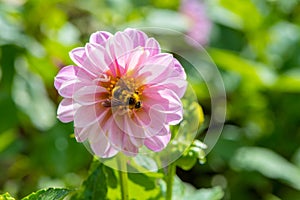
(122, 94)
(199, 24)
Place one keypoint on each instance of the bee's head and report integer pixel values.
(134, 101)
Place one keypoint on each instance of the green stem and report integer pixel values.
(170, 180)
(123, 177)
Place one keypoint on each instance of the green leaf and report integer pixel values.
(8, 109)
(143, 180)
(6, 196)
(48, 194)
(257, 73)
(288, 82)
(267, 163)
(244, 10)
(31, 97)
(185, 191)
(112, 180)
(215, 193)
(9, 52)
(178, 189)
(146, 162)
(95, 186)
(140, 186)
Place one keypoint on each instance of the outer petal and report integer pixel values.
(95, 55)
(65, 74)
(178, 85)
(174, 80)
(88, 95)
(70, 73)
(141, 124)
(179, 70)
(100, 37)
(89, 132)
(80, 57)
(121, 141)
(152, 120)
(81, 134)
(68, 88)
(152, 46)
(128, 147)
(169, 101)
(177, 79)
(138, 37)
(158, 142)
(66, 110)
(99, 143)
(155, 69)
(110, 152)
(87, 115)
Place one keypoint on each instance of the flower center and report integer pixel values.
(123, 93)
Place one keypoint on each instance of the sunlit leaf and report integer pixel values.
(268, 163)
(187, 192)
(140, 186)
(244, 10)
(215, 193)
(6, 196)
(249, 70)
(288, 82)
(48, 194)
(224, 16)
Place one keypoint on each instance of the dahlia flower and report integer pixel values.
(199, 25)
(123, 93)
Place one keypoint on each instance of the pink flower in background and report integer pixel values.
(122, 93)
(199, 24)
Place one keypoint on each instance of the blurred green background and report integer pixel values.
(255, 44)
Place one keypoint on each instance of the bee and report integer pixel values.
(134, 101)
(123, 95)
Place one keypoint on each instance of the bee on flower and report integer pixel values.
(122, 93)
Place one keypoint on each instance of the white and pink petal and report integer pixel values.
(88, 95)
(100, 37)
(101, 146)
(89, 114)
(138, 37)
(155, 69)
(168, 100)
(66, 110)
(158, 142)
(152, 46)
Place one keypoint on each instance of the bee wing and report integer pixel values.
(113, 103)
(116, 102)
(122, 84)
